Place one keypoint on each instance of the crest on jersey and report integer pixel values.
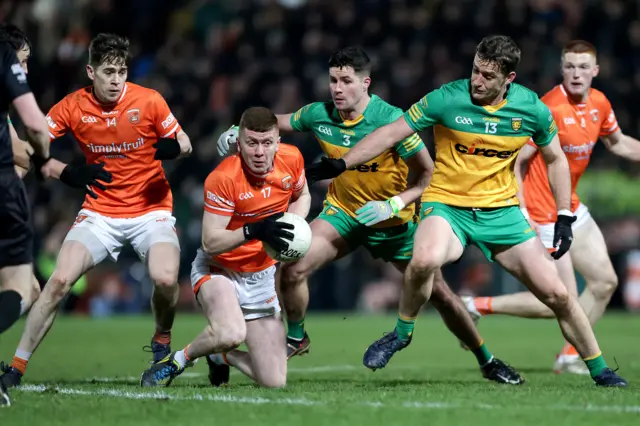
(594, 115)
(286, 182)
(133, 115)
(330, 211)
(516, 123)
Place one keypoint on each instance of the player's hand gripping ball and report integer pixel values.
(300, 244)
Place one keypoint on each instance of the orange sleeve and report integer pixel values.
(59, 119)
(299, 178)
(219, 193)
(610, 124)
(165, 123)
(530, 142)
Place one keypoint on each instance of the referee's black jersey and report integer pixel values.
(13, 83)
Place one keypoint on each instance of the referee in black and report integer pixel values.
(16, 235)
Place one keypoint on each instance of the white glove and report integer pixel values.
(226, 140)
(374, 212)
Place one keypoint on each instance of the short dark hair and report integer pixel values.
(13, 35)
(351, 56)
(501, 50)
(109, 48)
(580, 46)
(258, 119)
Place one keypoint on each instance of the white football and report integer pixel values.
(301, 240)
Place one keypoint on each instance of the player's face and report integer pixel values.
(578, 71)
(347, 87)
(487, 81)
(258, 149)
(23, 56)
(108, 80)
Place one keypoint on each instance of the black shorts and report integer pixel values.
(16, 233)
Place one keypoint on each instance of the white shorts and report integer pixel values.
(545, 231)
(105, 236)
(256, 291)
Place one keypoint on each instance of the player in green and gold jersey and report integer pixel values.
(479, 126)
(371, 205)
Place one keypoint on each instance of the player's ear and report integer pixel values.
(510, 77)
(596, 70)
(366, 82)
(90, 72)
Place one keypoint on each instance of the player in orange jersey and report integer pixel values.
(232, 276)
(124, 131)
(583, 115)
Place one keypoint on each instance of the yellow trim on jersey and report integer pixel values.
(415, 113)
(412, 142)
(353, 122)
(494, 108)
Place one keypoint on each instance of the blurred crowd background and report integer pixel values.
(211, 59)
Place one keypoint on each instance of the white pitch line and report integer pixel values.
(160, 395)
(192, 374)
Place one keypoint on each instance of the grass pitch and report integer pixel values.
(86, 373)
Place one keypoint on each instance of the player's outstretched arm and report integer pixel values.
(216, 238)
(284, 122)
(378, 142)
(301, 202)
(227, 142)
(522, 165)
(622, 145)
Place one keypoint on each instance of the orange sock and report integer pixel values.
(224, 358)
(568, 349)
(162, 337)
(19, 364)
(483, 305)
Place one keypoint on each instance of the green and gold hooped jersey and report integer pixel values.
(380, 179)
(476, 146)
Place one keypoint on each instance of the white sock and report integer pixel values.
(23, 307)
(23, 354)
(181, 359)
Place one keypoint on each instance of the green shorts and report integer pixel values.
(487, 229)
(389, 244)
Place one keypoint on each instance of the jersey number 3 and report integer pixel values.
(347, 140)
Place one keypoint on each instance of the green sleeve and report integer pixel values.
(9, 120)
(546, 127)
(426, 112)
(410, 146)
(303, 119)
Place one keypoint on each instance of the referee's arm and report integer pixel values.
(14, 83)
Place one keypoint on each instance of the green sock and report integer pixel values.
(482, 354)
(596, 364)
(295, 329)
(404, 327)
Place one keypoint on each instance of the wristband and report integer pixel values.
(565, 212)
(396, 204)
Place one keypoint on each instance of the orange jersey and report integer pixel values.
(579, 127)
(122, 137)
(230, 190)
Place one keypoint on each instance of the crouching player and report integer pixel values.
(232, 276)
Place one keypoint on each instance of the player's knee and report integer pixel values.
(164, 277)
(230, 336)
(557, 299)
(605, 287)
(274, 381)
(424, 262)
(59, 285)
(294, 275)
